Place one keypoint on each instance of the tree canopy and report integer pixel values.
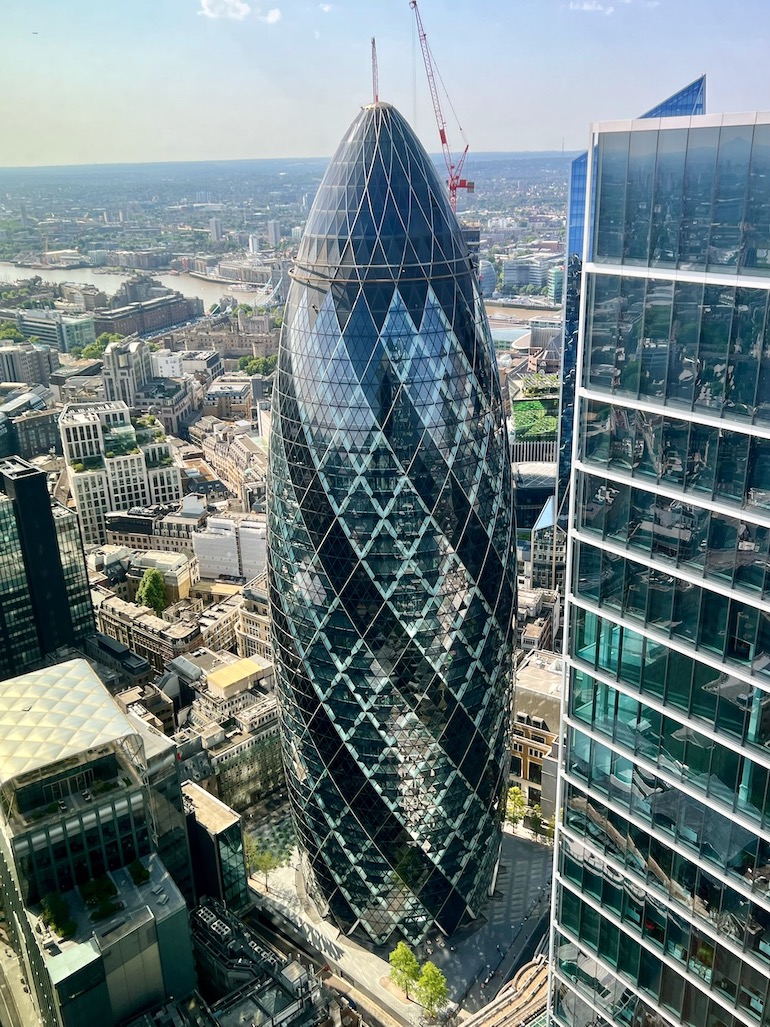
(260, 858)
(258, 365)
(404, 968)
(515, 806)
(95, 350)
(431, 989)
(10, 330)
(152, 591)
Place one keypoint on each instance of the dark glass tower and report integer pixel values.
(663, 867)
(45, 599)
(391, 548)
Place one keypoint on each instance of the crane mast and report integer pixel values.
(454, 179)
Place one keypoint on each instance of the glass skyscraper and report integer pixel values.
(690, 100)
(391, 551)
(662, 892)
(45, 598)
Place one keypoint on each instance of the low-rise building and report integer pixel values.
(231, 546)
(150, 704)
(138, 628)
(235, 711)
(229, 397)
(180, 572)
(164, 528)
(252, 630)
(536, 727)
(216, 847)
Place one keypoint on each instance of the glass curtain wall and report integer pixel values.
(391, 551)
(662, 911)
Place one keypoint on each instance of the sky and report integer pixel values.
(117, 81)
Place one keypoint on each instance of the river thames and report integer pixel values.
(109, 282)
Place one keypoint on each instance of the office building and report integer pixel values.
(662, 894)
(391, 556)
(114, 463)
(127, 365)
(215, 230)
(231, 547)
(688, 101)
(91, 801)
(216, 848)
(164, 528)
(27, 362)
(45, 599)
(274, 234)
(52, 328)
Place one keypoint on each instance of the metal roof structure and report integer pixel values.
(54, 714)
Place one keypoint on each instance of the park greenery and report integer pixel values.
(152, 591)
(257, 365)
(428, 982)
(535, 419)
(9, 331)
(95, 350)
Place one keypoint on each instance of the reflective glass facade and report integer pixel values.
(687, 102)
(390, 552)
(663, 853)
(45, 598)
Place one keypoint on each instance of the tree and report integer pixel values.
(550, 830)
(10, 330)
(515, 806)
(152, 591)
(260, 858)
(535, 818)
(95, 350)
(404, 968)
(432, 989)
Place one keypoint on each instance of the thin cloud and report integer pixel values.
(270, 17)
(325, 8)
(235, 10)
(593, 6)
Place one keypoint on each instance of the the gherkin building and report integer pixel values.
(391, 548)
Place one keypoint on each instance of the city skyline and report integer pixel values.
(83, 85)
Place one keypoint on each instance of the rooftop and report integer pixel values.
(230, 674)
(53, 714)
(209, 811)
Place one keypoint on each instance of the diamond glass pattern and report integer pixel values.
(391, 548)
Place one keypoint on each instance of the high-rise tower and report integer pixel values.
(663, 870)
(45, 600)
(391, 548)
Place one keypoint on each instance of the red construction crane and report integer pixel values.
(454, 179)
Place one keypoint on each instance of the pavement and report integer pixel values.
(16, 1007)
(476, 962)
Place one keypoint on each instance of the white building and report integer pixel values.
(274, 234)
(113, 464)
(232, 547)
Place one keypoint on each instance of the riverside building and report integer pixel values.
(391, 557)
(662, 893)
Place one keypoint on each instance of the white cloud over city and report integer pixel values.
(238, 10)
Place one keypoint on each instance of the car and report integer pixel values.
(62, 804)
